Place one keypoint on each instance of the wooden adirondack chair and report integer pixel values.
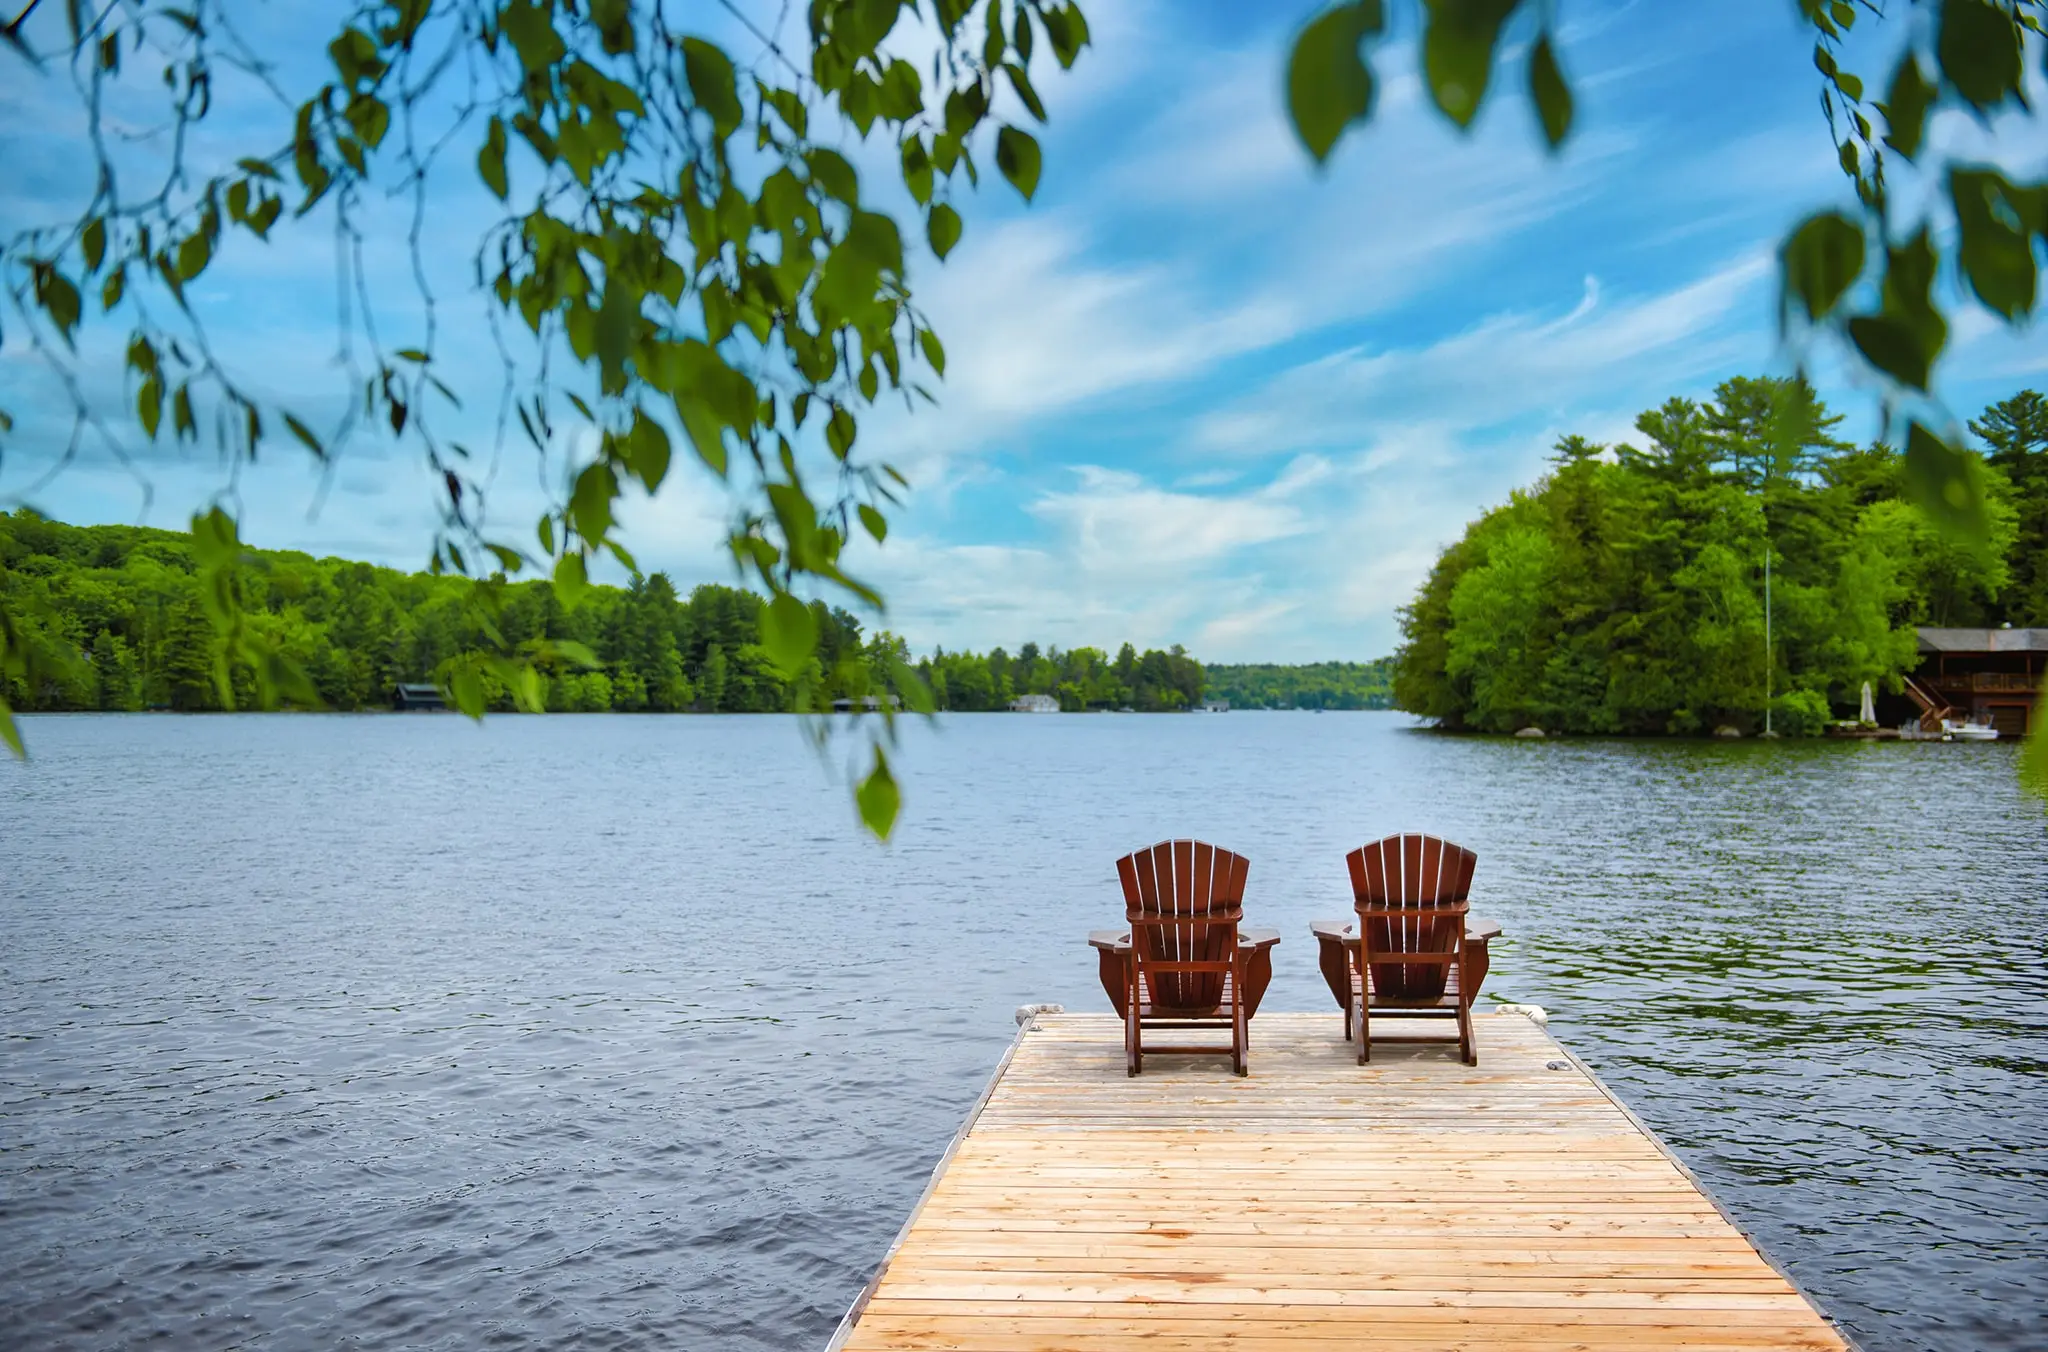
(1415, 952)
(1184, 962)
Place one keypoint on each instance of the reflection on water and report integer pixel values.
(611, 1032)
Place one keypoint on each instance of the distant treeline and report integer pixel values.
(1314, 685)
(118, 608)
(1624, 592)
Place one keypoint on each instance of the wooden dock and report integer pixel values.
(1415, 1203)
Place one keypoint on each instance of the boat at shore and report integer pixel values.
(1948, 730)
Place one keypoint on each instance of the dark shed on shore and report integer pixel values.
(413, 696)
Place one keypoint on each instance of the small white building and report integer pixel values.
(1034, 704)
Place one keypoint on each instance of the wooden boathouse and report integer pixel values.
(1414, 1203)
(1991, 675)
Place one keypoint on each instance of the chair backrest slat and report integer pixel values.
(1190, 895)
(1416, 875)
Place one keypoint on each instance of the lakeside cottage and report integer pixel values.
(1988, 675)
(1034, 704)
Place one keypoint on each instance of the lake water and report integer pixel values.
(613, 1032)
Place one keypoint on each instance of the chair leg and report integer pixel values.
(1240, 1028)
(1467, 1044)
(1364, 1021)
(1134, 1041)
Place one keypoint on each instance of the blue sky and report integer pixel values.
(1197, 392)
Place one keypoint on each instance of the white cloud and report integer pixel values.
(1505, 368)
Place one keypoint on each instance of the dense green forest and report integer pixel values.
(1624, 592)
(121, 615)
(1313, 685)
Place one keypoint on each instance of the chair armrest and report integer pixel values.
(1478, 929)
(1257, 938)
(1114, 941)
(1333, 931)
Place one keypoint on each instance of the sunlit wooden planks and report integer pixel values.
(1413, 1203)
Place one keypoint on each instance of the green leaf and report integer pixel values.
(1328, 85)
(524, 683)
(370, 117)
(706, 432)
(943, 229)
(193, 256)
(917, 169)
(1021, 82)
(873, 237)
(789, 631)
(466, 689)
(116, 285)
(840, 431)
(572, 579)
(590, 501)
(59, 299)
(1995, 252)
(1017, 155)
(533, 35)
(95, 242)
(1457, 53)
(877, 524)
(1067, 30)
(902, 91)
(1890, 346)
(1947, 483)
(1553, 98)
(568, 652)
(647, 451)
(9, 733)
(830, 171)
(711, 80)
(917, 696)
(149, 404)
(305, 435)
(1978, 49)
(614, 20)
(618, 315)
(490, 161)
(2033, 759)
(878, 798)
(1904, 340)
(934, 351)
(1820, 260)
(1905, 107)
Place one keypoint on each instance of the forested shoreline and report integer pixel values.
(117, 611)
(1624, 591)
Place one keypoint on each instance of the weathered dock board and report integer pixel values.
(1415, 1203)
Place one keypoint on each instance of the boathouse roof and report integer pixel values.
(1983, 640)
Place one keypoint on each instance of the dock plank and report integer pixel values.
(1412, 1203)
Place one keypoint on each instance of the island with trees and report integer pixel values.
(1625, 592)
